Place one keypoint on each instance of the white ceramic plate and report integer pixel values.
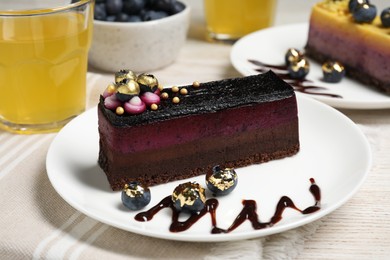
(270, 45)
(333, 151)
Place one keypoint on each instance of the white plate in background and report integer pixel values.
(270, 45)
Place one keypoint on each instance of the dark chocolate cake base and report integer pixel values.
(232, 123)
(351, 72)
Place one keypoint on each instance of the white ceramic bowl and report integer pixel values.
(138, 46)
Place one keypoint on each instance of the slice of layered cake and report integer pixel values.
(154, 136)
(362, 46)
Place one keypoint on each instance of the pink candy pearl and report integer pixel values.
(111, 102)
(134, 106)
(150, 98)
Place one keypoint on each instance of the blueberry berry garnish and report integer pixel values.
(134, 196)
(189, 197)
(291, 55)
(126, 90)
(364, 13)
(385, 17)
(221, 181)
(135, 10)
(333, 71)
(354, 3)
(298, 69)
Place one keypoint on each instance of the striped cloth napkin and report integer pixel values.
(36, 223)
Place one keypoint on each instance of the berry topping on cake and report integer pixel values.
(297, 65)
(135, 197)
(364, 13)
(298, 69)
(354, 3)
(127, 89)
(333, 71)
(147, 82)
(291, 55)
(134, 94)
(189, 197)
(124, 75)
(385, 17)
(221, 181)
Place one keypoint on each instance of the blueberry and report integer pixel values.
(189, 197)
(150, 15)
(135, 197)
(177, 7)
(333, 71)
(134, 18)
(114, 7)
(133, 6)
(298, 69)
(221, 181)
(100, 12)
(364, 13)
(122, 17)
(150, 3)
(385, 17)
(354, 3)
(110, 18)
(163, 5)
(291, 55)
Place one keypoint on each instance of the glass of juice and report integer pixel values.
(44, 51)
(229, 20)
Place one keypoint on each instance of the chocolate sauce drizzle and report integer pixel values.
(301, 85)
(248, 212)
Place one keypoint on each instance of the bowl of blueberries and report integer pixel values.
(140, 35)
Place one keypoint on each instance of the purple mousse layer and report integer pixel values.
(363, 61)
(186, 145)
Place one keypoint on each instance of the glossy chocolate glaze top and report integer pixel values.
(210, 97)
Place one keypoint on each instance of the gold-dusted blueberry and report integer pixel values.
(298, 69)
(126, 90)
(124, 75)
(147, 82)
(221, 181)
(385, 17)
(189, 197)
(333, 71)
(291, 55)
(135, 196)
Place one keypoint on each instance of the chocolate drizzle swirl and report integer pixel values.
(300, 85)
(248, 212)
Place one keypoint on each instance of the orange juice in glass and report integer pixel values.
(43, 64)
(229, 20)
